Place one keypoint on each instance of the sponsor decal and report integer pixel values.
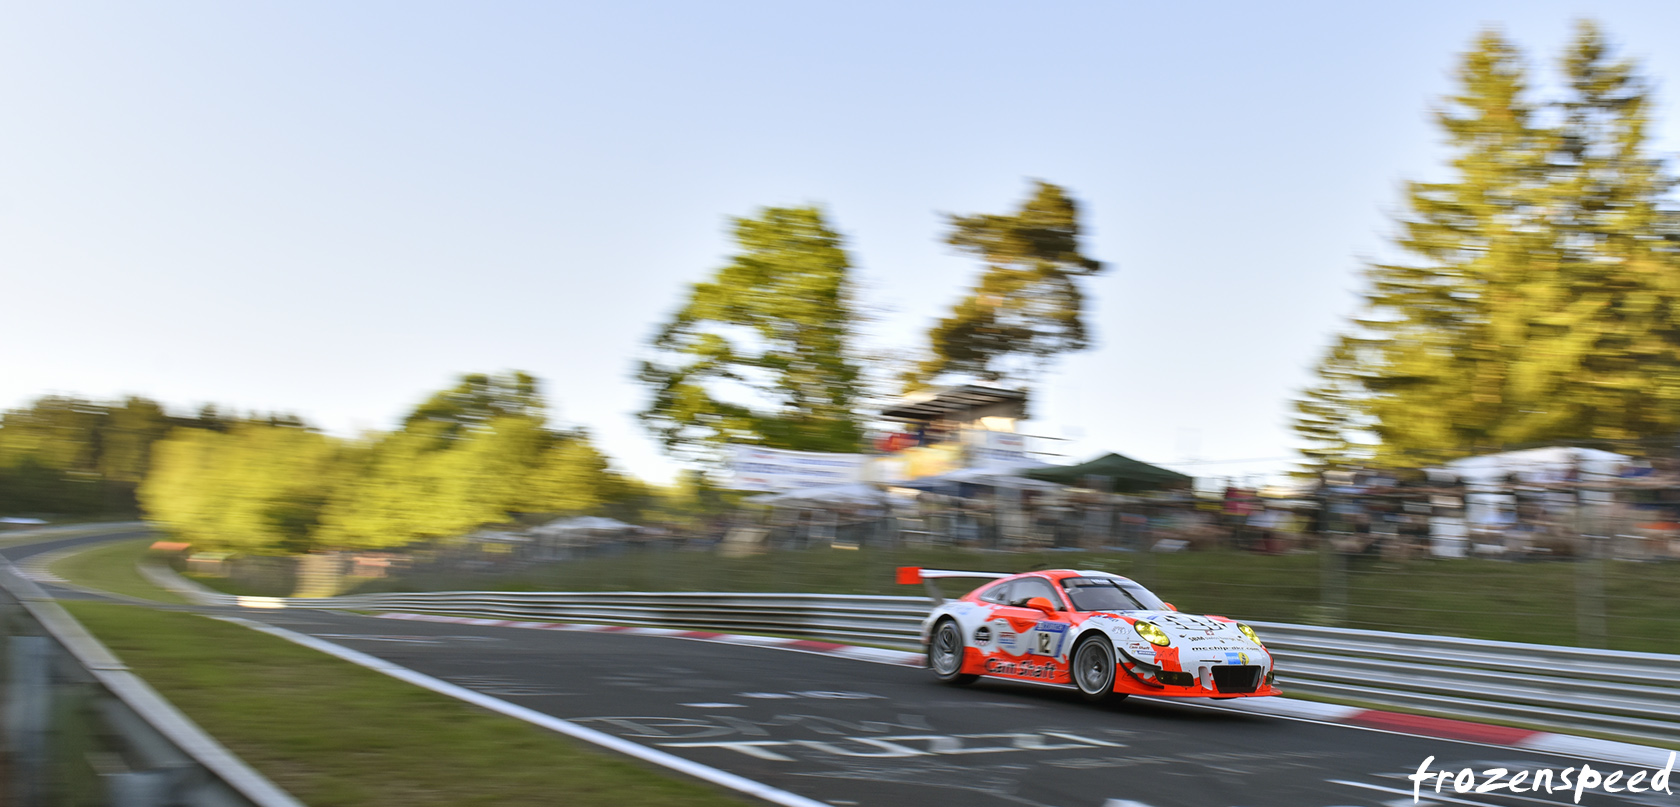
(1024, 669)
(982, 635)
(1007, 639)
(1167, 658)
(1048, 637)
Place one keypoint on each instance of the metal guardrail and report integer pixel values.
(80, 728)
(1569, 689)
(1546, 686)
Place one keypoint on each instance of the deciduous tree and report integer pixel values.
(760, 353)
(1027, 307)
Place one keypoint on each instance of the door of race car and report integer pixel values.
(1042, 644)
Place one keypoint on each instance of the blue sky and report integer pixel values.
(334, 208)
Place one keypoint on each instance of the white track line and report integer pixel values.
(37, 568)
(550, 722)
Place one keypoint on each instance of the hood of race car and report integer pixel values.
(1195, 640)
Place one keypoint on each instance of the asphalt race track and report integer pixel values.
(851, 732)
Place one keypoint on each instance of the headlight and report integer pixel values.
(1151, 634)
(1249, 632)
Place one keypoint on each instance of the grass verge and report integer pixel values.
(115, 567)
(332, 733)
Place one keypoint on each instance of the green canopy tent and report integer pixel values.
(1122, 474)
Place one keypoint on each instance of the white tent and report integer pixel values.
(1552, 464)
(1488, 502)
(567, 525)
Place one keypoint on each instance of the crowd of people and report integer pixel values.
(1397, 515)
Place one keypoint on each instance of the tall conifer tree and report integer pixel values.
(1604, 358)
(1543, 304)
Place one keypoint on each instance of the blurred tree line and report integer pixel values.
(478, 453)
(1541, 299)
(64, 455)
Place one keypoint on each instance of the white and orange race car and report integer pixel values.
(1099, 632)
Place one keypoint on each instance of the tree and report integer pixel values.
(255, 487)
(1329, 416)
(571, 476)
(126, 438)
(460, 461)
(1540, 304)
(418, 484)
(1424, 370)
(759, 354)
(64, 454)
(1027, 307)
(1604, 356)
(478, 399)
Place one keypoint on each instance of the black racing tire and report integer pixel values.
(1093, 669)
(945, 653)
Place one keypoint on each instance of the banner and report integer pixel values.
(773, 470)
(988, 449)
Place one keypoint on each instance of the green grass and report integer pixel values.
(1480, 598)
(332, 733)
(114, 567)
(240, 588)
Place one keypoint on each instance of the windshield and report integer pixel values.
(1108, 594)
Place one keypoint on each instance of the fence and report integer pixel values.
(80, 729)
(1562, 688)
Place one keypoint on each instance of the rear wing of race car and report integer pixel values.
(911, 575)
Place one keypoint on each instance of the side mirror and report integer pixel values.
(1042, 604)
(1170, 606)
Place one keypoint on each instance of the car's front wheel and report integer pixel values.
(945, 653)
(1093, 670)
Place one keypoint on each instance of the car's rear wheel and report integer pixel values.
(1093, 670)
(945, 653)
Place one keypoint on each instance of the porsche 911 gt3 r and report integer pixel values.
(1100, 632)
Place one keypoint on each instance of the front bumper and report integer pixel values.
(1198, 678)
